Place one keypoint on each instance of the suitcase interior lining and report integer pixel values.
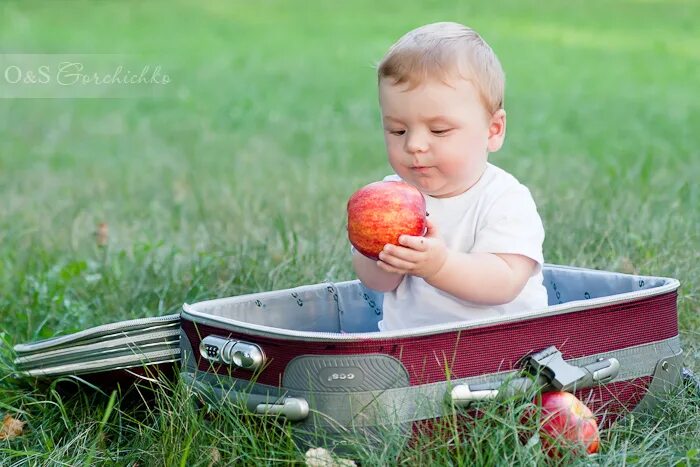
(349, 307)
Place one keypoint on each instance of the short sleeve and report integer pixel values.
(512, 225)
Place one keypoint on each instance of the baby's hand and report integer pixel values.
(418, 256)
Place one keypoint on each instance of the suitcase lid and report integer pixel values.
(124, 344)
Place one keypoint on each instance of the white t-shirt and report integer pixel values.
(496, 215)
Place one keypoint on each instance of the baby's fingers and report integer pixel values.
(414, 243)
(388, 268)
(401, 252)
(395, 261)
(400, 258)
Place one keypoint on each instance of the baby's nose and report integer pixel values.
(415, 142)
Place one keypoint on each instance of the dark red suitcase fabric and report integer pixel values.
(477, 351)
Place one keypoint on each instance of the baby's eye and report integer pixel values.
(397, 132)
(440, 132)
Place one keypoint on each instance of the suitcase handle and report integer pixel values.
(548, 370)
(292, 408)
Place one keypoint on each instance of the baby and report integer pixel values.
(441, 92)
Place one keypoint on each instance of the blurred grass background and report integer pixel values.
(236, 179)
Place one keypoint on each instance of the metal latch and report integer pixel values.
(550, 371)
(242, 354)
(292, 408)
(566, 377)
(463, 394)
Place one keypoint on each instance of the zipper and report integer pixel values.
(117, 363)
(140, 324)
(165, 337)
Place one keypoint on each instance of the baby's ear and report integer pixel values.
(497, 130)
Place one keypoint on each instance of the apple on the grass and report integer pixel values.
(379, 213)
(567, 424)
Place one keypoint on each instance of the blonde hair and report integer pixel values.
(441, 50)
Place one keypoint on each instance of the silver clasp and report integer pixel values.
(292, 408)
(563, 376)
(245, 355)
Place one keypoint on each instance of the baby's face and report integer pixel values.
(437, 134)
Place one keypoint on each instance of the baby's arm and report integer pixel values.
(372, 276)
(484, 278)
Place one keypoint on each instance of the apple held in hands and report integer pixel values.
(567, 425)
(379, 213)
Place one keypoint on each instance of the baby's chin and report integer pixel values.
(428, 187)
(443, 192)
(422, 184)
(431, 190)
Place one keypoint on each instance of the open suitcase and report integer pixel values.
(313, 355)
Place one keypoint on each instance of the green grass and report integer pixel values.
(236, 180)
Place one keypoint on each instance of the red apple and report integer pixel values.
(567, 424)
(381, 212)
